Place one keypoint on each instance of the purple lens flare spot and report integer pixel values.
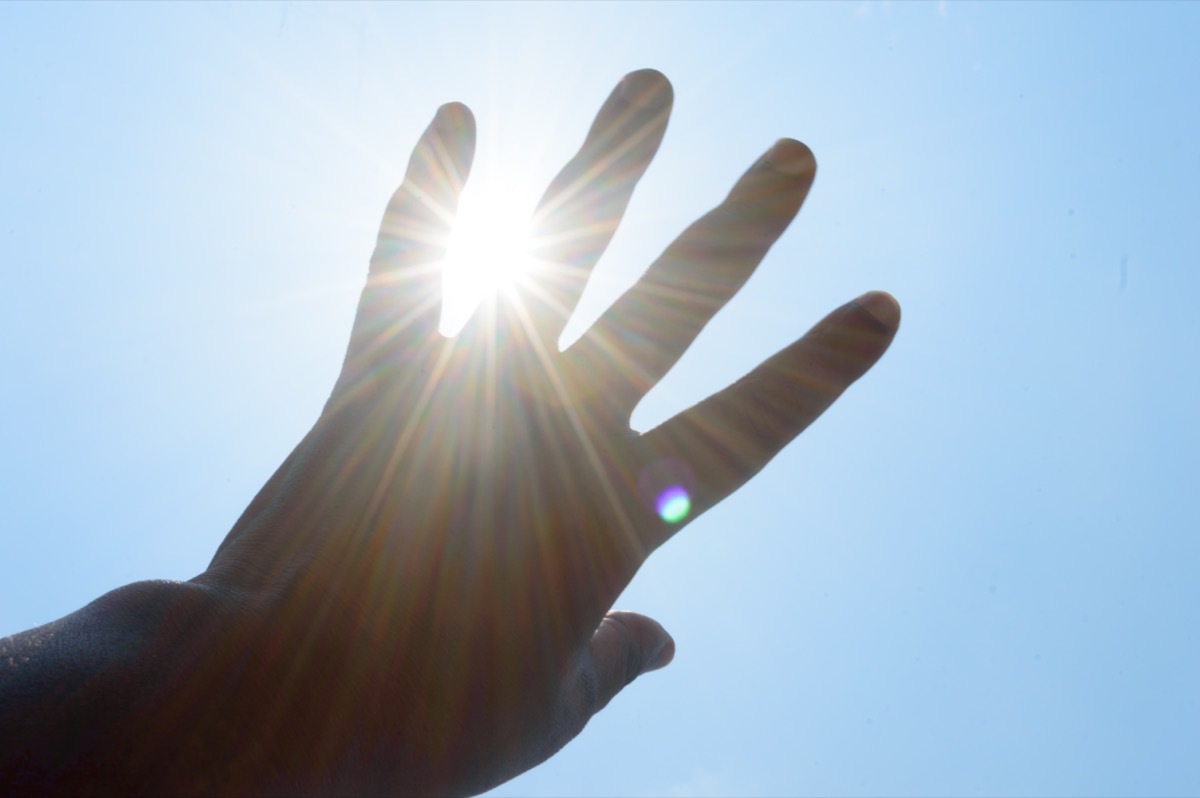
(673, 504)
(668, 489)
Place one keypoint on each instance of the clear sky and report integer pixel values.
(976, 575)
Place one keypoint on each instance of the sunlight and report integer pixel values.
(488, 249)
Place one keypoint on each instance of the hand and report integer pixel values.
(421, 592)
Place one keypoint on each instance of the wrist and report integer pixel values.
(98, 701)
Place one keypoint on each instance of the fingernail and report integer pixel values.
(791, 157)
(663, 656)
(882, 307)
(646, 88)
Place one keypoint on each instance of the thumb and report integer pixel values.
(624, 647)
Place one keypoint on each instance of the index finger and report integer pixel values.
(401, 302)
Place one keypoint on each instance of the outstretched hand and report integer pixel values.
(431, 570)
(418, 600)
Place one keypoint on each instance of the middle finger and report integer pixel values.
(581, 209)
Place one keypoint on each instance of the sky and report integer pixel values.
(975, 575)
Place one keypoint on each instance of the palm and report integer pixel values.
(440, 552)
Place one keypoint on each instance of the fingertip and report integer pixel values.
(652, 645)
(646, 88)
(665, 654)
(883, 309)
(791, 157)
(454, 116)
(648, 635)
(649, 73)
(453, 130)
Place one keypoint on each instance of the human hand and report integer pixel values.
(421, 593)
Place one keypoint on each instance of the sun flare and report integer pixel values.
(488, 250)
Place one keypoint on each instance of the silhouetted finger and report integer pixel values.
(720, 443)
(581, 209)
(401, 303)
(646, 331)
(624, 647)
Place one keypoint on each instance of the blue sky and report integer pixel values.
(974, 576)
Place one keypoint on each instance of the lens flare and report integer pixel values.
(673, 504)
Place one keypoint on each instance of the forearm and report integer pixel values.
(91, 703)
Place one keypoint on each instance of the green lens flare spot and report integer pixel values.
(673, 504)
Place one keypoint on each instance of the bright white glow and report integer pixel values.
(488, 249)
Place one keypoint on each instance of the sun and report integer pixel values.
(488, 249)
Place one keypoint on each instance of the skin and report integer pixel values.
(417, 602)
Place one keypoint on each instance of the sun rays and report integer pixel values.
(489, 248)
